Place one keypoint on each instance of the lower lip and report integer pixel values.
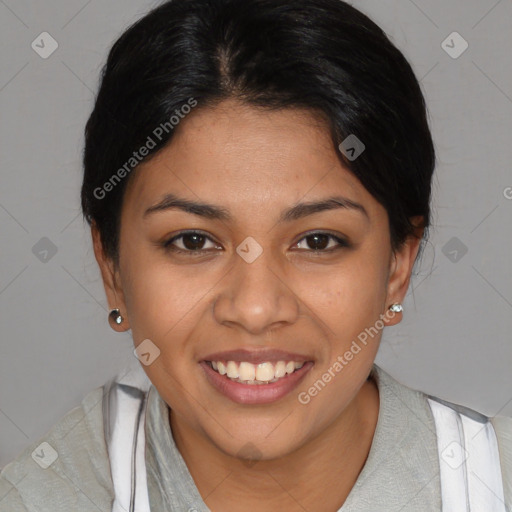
(255, 393)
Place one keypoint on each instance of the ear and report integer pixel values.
(401, 265)
(110, 276)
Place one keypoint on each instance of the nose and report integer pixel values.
(256, 297)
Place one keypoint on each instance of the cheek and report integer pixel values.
(348, 300)
(349, 292)
(163, 305)
(162, 300)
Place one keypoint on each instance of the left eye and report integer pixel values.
(321, 242)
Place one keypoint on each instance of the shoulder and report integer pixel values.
(482, 430)
(419, 413)
(501, 426)
(479, 428)
(65, 470)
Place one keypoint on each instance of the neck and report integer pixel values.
(293, 482)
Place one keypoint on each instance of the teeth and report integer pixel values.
(221, 368)
(280, 370)
(262, 373)
(265, 371)
(247, 371)
(232, 368)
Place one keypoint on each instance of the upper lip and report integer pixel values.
(256, 356)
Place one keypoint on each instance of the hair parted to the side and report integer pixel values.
(322, 55)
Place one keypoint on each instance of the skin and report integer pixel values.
(255, 164)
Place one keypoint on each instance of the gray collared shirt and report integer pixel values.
(400, 474)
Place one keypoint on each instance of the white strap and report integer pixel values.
(450, 444)
(469, 462)
(485, 486)
(127, 449)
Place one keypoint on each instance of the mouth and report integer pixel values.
(246, 382)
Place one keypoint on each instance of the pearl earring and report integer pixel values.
(115, 318)
(396, 307)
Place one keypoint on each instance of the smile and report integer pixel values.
(248, 373)
(262, 383)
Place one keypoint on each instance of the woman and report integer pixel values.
(257, 176)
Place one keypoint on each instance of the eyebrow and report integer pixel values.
(214, 212)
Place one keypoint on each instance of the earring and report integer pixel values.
(115, 318)
(396, 307)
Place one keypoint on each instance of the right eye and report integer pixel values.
(189, 242)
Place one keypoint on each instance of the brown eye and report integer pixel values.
(190, 241)
(193, 241)
(318, 241)
(322, 242)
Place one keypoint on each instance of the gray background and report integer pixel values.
(55, 343)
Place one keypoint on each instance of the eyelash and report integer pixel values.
(342, 243)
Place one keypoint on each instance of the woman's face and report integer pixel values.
(268, 275)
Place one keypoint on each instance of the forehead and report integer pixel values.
(246, 157)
